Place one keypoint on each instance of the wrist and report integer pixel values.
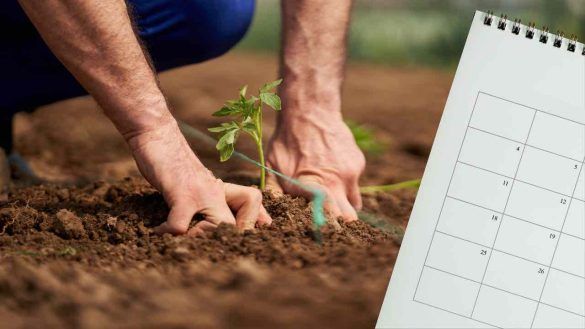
(309, 102)
(147, 119)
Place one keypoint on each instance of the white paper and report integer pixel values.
(496, 236)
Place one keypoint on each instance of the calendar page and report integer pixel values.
(496, 236)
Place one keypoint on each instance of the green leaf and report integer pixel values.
(228, 137)
(249, 126)
(217, 129)
(249, 107)
(243, 92)
(226, 152)
(271, 100)
(224, 126)
(226, 110)
(269, 86)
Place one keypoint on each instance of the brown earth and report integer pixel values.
(83, 255)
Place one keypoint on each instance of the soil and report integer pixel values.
(80, 253)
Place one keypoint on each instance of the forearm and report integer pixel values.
(96, 42)
(313, 56)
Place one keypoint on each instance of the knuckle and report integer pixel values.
(254, 195)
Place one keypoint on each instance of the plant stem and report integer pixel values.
(261, 149)
(415, 183)
(262, 170)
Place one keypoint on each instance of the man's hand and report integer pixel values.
(168, 163)
(96, 42)
(311, 142)
(321, 154)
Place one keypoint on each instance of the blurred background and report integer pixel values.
(403, 54)
(420, 32)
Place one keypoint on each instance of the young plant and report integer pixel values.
(246, 115)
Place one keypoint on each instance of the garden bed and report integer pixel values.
(84, 255)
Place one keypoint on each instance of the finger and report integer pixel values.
(272, 182)
(201, 228)
(178, 220)
(354, 196)
(332, 208)
(264, 218)
(308, 187)
(219, 211)
(348, 212)
(246, 202)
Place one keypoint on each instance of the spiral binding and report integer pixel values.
(530, 32)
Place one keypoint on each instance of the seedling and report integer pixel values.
(246, 113)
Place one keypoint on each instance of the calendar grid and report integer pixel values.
(504, 214)
(519, 180)
(532, 108)
(500, 289)
(507, 253)
(526, 144)
(445, 198)
(557, 244)
(518, 218)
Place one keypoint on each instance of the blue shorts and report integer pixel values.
(175, 32)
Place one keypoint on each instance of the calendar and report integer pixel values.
(496, 238)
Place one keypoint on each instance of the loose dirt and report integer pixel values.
(83, 255)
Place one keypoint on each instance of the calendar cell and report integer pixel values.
(515, 275)
(537, 205)
(491, 152)
(575, 222)
(565, 291)
(553, 318)
(526, 240)
(446, 291)
(502, 118)
(570, 255)
(493, 191)
(469, 222)
(568, 139)
(458, 257)
(548, 170)
(493, 304)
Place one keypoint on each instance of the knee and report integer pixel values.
(217, 26)
(182, 32)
